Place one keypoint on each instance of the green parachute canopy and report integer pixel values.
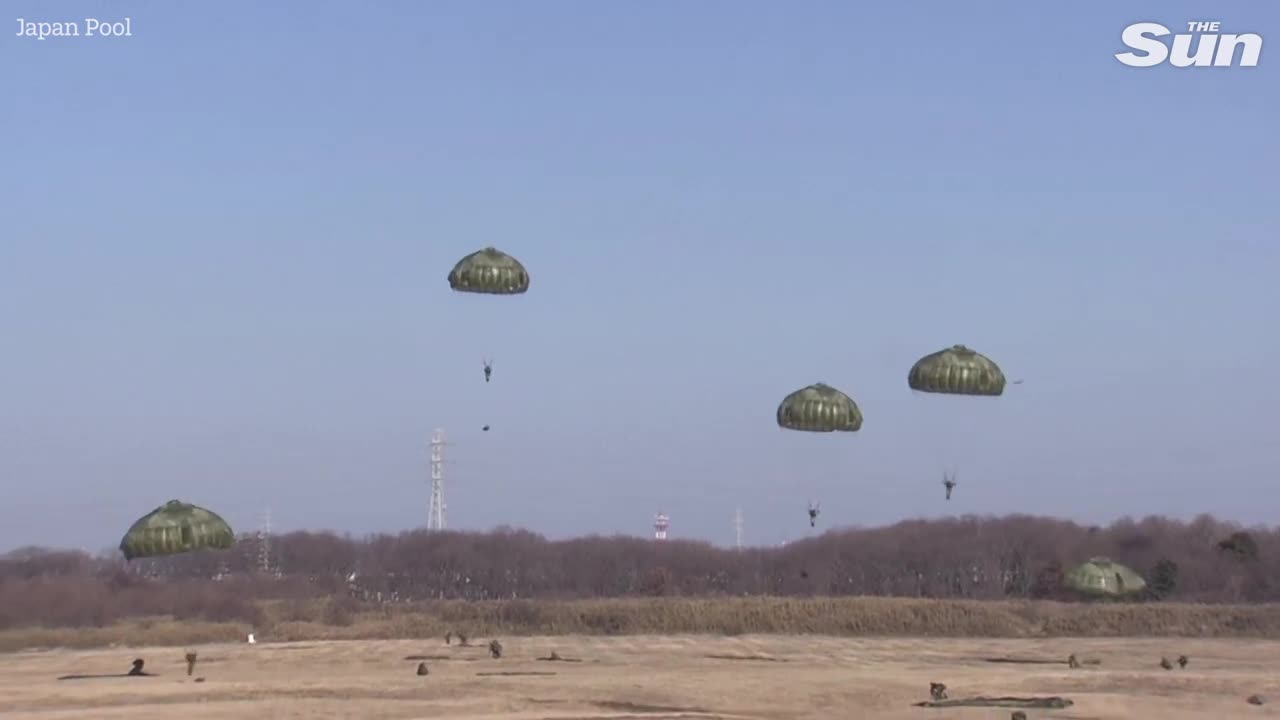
(957, 371)
(819, 408)
(1101, 576)
(176, 527)
(489, 271)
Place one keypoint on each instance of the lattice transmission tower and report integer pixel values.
(264, 544)
(436, 507)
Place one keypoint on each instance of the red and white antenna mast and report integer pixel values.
(660, 525)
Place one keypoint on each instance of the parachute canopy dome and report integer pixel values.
(1100, 576)
(956, 371)
(489, 271)
(819, 408)
(176, 527)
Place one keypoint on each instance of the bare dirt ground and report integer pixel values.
(655, 678)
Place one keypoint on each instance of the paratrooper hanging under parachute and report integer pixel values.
(819, 408)
(949, 482)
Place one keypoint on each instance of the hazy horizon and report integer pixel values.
(224, 273)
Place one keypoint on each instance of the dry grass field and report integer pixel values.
(643, 676)
(655, 658)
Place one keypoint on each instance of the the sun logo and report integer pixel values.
(1212, 49)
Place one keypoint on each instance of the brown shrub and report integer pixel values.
(340, 611)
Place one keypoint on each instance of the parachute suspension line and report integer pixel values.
(949, 454)
(486, 405)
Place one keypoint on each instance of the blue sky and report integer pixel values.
(222, 276)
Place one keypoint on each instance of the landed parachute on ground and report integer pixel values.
(489, 271)
(176, 527)
(1101, 576)
(957, 371)
(819, 408)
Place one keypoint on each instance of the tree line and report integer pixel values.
(970, 557)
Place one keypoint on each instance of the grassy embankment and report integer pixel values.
(326, 620)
